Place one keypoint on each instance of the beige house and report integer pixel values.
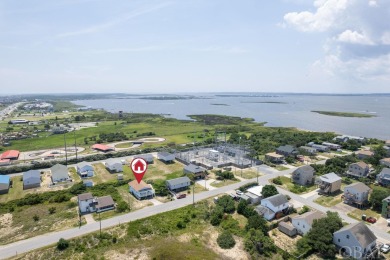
(274, 157)
(385, 162)
(359, 169)
(363, 154)
(329, 183)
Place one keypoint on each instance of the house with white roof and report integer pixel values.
(304, 222)
(329, 183)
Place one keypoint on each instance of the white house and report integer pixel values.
(276, 204)
(141, 190)
(114, 165)
(87, 203)
(356, 193)
(304, 222)
(265, 212)
(85, 169)
(356, 240)
(178, 184)
(59, 173)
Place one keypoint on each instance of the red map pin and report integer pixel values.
(139, 167)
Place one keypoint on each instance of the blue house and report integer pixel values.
(383, 178)
(4, 184)
(85, 170)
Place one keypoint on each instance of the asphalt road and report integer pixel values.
(51, 238)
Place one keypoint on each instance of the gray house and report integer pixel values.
(276, 204)
(147, 157)
(385, 162)
(59, 173)
(329, 183)
(287, 228)
(321, 148)
(114, 165)
(85, 169)
(383, 178)
(356, 194)
(357, 241)
(31, 179)
(287, 150)
(197, 171)
(308, 149)
(178, 184)
(359, 169)
(166, 157)
(304, 175)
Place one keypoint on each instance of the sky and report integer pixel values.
(168, 46)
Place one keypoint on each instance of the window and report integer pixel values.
(338, 240)
(347, 236)
(303, 226)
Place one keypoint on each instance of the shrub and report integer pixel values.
(62, 244)
(304, 210)
(216, 216)
(122, 206)
(277, 181)
(36, 218)
(226, 203)
(225, 240)
(52, 210)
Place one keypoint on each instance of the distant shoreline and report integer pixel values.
(343, 114)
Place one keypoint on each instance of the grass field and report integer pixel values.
(357, 214)
(219, 184)
(21, 225)
(246, 173)
(328, 201)
(102, 175)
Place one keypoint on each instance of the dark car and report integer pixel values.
(371, 220)
(181, 196)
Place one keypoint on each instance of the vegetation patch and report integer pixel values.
(343, 114)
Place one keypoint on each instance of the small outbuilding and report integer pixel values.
(287, 228)
(5, 182)
(166, 157)
(31, 179)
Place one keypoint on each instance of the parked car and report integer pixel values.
(181, 196)
(238, 192)
(385, 248)
(371, 220)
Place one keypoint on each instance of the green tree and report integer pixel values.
(256, 243)
(216, 216)
(36, 218)
(277, 181)
(226, 203)
(225, 240)
(320, 236)
(269, 190)
(62, 244)
(257, 222)
(52, 210)
(376, 198)
(122, 206)
(241, 207)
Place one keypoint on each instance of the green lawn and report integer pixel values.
(298, 189)
(101, 174)
(281, 168)
(357, 214)
(328, 201)
(219, 184)
(247, 173)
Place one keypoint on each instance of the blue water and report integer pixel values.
(294, 111)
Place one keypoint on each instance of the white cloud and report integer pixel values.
(357, 38)
(354, 37)
(326, 15)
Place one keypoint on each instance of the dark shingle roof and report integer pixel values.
(194, 168)
(277, 199)
(286, 148)
(306, 169)
(85, 196)
(31, 174)
(361, 232)
(104, 201)
(361, 187)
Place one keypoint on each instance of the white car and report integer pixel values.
(238, 192)
(385, 248)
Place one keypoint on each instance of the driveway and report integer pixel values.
(155, 202)
(89, 219)
(206, 184)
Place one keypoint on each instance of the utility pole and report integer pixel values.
(193, 195)
(66, 153)
(257, 175)
(75, 145)
(100, 219)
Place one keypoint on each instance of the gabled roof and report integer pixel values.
(4, 179)
(361, 232)
(83, 164)
(330, 177)
(365, 152)
(263, 210)
(164, 154)
(113, 161)
(146, 157)
(385, 160)
(31, 174)
(385, 172)
(358, 186)
(306, 169)
(179, 180)
(256, 190)
(194, 168)
(361, 164)
(85, 196)
(104, 201)
(139, 186)
(277, 200)
(102, 147)
(58, 167)
(310, 216)
(10, 154)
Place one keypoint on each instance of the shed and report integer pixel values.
(287, 228)
(31, 179)
(88, 183)
(4, 184)
(166, 157)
